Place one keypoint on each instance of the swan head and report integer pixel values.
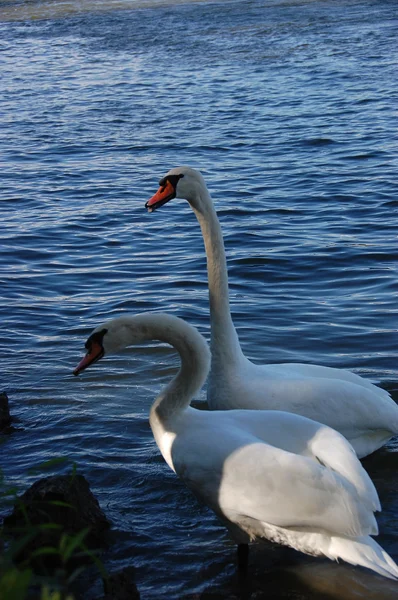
(108, 338)
(180, 182)
(131, 330)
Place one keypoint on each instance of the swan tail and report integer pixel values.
(363, 551)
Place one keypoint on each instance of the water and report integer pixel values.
(287, 107)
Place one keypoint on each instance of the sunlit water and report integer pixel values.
(287, 107)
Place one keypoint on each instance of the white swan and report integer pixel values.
(365, 414)
(266, 474)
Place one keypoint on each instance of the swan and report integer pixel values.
(266, 474)
(365, 414)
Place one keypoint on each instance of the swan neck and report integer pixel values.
(195, 359)
(224, 339)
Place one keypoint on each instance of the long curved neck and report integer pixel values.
(195, 360)
(224, 339)
(194, 353)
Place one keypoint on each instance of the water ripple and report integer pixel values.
(288, 110)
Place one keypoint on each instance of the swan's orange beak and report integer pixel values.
(164, 194)
(95, 353)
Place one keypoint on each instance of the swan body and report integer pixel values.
(266, 474)
(364, 413)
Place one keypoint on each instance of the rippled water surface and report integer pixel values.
(287, 107)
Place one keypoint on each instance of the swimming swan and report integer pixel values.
(365, 414)
(266, 474)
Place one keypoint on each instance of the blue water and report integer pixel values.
(287, 108)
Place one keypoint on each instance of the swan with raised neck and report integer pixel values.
(266, 474)
(364, 413)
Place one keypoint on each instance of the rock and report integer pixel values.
(66, 502)
(120, 586)
(5, 418)
(42, 505)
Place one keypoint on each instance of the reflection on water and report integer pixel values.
(15, 10)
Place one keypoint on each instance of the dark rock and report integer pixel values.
(120, 586)
(66, 502)
(45, 500)
(5, 418)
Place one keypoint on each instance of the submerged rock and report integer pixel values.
(5, 417)
(121, 586)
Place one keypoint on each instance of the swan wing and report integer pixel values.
(286, 490)
(299, 370)
(241, 478)
(351, 409)
(299, 435)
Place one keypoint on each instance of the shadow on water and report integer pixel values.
(281, 573)
(300, 577)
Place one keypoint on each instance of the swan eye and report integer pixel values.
(167, 191)
(171, 179)
(95, 338)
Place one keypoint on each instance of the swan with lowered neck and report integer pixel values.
(266, 474)
(365, 414)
